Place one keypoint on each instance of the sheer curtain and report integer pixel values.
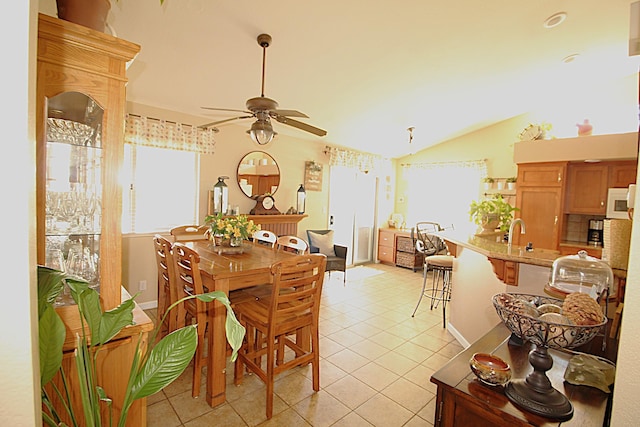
(442, 192)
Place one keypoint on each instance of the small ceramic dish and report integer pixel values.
(490, 369)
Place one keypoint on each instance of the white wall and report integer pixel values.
(20, 387)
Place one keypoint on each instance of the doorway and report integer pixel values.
(352, 209)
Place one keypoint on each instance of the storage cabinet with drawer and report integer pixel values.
(406, 254)
(386, 246)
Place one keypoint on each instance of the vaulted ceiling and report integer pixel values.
(366, 70)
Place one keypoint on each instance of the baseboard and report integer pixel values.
(457, 335)
(148, 305)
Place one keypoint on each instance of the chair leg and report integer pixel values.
(199, 361)
(424, 284)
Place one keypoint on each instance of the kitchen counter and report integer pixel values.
(487, 246)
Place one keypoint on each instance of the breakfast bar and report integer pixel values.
(484, 267)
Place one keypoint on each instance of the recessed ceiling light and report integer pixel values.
(570, 58)
(555, 20)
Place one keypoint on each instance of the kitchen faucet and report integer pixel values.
(511, 227)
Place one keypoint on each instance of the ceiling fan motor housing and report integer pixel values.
(261, 103)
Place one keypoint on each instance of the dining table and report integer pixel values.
(225, 272)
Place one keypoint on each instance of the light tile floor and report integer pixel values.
(376, 361)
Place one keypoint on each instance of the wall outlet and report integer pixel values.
(142, 285)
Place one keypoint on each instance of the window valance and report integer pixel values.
(159, 133)
(364, 162)
(478, 165)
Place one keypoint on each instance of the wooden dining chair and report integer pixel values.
(265, 237)
(167, 292)
(189, 233)
(292, 310)
(189, 282)
(292, 244)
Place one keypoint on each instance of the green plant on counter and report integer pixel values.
(511, 179)
(150, 371)
(488, 180)
(495, 210)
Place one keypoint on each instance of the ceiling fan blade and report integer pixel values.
(219, 122)
(302, 126)
(226, 109)
(290, 113)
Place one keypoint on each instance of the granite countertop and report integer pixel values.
(487, 245)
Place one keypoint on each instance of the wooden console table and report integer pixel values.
(462, 400)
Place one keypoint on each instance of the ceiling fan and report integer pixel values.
(264, 109)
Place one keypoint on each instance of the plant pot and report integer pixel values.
(88, 13)
(511, 185)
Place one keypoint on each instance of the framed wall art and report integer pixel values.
(312, 176)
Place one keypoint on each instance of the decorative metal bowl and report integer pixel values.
(541, 332)
(535, 393)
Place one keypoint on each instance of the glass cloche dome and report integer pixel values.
(581, 273)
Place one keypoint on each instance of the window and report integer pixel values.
(442, 192)
(154, 197)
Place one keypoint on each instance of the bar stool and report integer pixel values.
(441, 266)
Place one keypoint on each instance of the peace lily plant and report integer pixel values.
(150, 370)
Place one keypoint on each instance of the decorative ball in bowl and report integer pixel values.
(490, 369)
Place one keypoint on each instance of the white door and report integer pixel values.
(352, 204)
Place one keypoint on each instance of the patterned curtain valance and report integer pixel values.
(364, 162)
(479, 165)
(164, 134)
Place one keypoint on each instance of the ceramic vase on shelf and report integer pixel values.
(585, 128)
(88, 13)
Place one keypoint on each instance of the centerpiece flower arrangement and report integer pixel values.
(231, 229)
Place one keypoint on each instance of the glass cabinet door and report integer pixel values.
(73, 193)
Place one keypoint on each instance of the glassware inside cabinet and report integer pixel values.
(73, 194)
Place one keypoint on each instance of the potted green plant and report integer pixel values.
(511, 183)
(488, 182)
(150, 371)
(492, 213)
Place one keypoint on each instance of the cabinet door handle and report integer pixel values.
(555, 220)
(601, 203)
(559, 177)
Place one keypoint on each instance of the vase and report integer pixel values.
(88, 13)
(219, 240)
(235, 241)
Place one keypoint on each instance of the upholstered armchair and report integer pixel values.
(321, 241)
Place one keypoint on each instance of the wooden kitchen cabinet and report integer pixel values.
(80, 106)
(539, 198)
(623, 173)
(587, 188)
(386, 246)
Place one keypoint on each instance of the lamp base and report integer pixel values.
(548, 403)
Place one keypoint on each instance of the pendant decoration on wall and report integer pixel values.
(312, 176)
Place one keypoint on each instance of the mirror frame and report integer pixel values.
(257, 155)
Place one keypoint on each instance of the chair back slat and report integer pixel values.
(292, 244)
(189, 233)
(167, 293)
(297, 288)
(265, 237)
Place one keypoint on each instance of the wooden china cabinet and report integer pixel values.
(79, 129)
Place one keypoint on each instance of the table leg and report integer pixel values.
(217, 352)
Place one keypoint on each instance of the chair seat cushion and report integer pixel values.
(324, 242)
(440, 260)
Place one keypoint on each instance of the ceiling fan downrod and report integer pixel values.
(264, 40)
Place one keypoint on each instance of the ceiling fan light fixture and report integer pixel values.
(261, 132)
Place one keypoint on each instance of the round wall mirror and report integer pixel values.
(258, 173)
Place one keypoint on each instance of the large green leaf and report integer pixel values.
(165, 362)
(51, 333)
(89, 307)
(235, 331)
(50, 285)
(114, 320)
